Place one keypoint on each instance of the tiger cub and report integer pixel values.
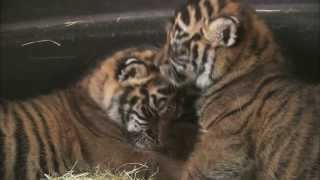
(88, 121)
(258, 121)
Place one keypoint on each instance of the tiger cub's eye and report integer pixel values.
(166, 90)
(133, 100)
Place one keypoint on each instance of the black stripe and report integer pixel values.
(276, 142)
(222, 4)
(291, 150)
(147, 111)
(124, 100)
(195, 53)
(43, 154)
(279, 139)
(144, 123)
(205, 55)
(264, 99)
(193, 1)
(195, 66)
(145, 92)
(285, 158)
(306, 138)
(232, 112)
(280, 109)
(139, 116)
(22, 142)
(272, 116)
(196, 37)
(133, 100)
(226, 35)
(197, 11)
(231, 19)
(167, 90)
(285, 168)
(243, 127)
(48, 137)
(61, 97)
(182, 35)
(245, 105)
(185, 17)
(209, 8)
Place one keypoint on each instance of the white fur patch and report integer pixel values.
(204, 79)
(113, 111)
(181, 24)
(128, 61)
(132, 126)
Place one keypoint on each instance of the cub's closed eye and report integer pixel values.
(166, 90)
(134, 100)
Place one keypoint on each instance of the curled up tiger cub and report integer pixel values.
(89, 121)
(258, 121)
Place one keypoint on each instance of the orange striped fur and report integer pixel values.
(86, 122)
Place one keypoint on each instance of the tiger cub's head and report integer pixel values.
(206, 39)
(130, 89)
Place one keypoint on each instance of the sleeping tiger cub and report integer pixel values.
(86, 122)
(259, 122)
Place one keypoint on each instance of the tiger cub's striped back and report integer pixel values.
(31, 139)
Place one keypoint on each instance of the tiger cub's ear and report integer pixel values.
(132, 70)
(221, 31)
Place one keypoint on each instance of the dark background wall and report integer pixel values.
(87, 30)
(22, 10)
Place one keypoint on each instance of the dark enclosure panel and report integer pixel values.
(46, 44)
